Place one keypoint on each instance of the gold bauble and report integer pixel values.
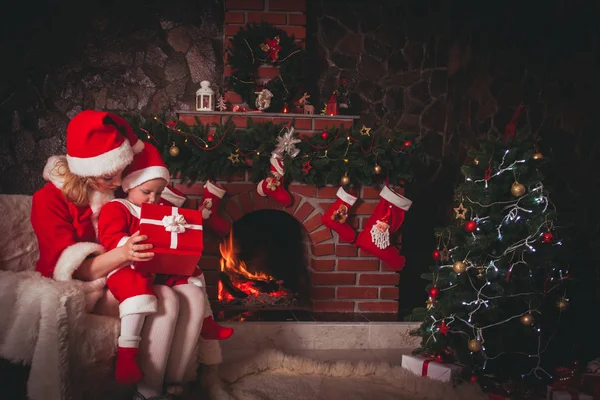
(345, 180)
(474, 345)
(538, 156)
(377, 169)
(476, 161)
(562, 304)
(517, 189)
(459, 267)
(527, 319)
(174, 150)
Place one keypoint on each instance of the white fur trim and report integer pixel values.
(197, 281)
(123, 240)
(138, 147)
(278, 165)
(214, 189)
(173, 197)
(140, 176)
(142, 304)
(72, 257)
(394, 198)
(49, 173)
(129, 341)
(346, 197)
(102, 164)
(259, 189)
(132, 208)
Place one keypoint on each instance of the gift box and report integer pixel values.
(427, 366)
(176, 235)
(561, 392)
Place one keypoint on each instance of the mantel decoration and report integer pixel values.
(337, 155)
(205, 97)
(263, 44)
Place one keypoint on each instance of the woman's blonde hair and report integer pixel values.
(74, 187)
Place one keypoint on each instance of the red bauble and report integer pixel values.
(324, 135)
(439, 359)
(407, 143)
(210, 138)
(547, 237)
(470, 226)
(433, 292)
(436, 254)
(473, 378)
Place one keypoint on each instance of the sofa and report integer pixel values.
(59, 329)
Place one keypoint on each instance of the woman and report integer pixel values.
(65, 215)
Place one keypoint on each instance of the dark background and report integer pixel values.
(453, 71)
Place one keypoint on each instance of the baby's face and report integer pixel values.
(147, 192)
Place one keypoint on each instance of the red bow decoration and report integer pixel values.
(272, 48)
(172, 124)
(511, 127)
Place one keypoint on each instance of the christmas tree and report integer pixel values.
(221, 106)
(498, 287)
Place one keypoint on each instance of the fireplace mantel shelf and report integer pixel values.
(268, 114)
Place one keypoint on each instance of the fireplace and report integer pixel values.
(264, 263)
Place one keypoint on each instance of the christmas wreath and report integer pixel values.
(264, 44)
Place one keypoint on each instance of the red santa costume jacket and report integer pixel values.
(66, 233)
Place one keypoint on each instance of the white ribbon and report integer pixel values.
(174, 223)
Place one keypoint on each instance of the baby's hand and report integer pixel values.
(134, 251)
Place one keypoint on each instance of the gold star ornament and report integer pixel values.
(429, 303)
(364, 131)
(234, 158)
(461, 212)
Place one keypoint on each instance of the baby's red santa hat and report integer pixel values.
(146, 166)
(100, 143)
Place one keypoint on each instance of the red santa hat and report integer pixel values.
(146, 166)
(100, 143)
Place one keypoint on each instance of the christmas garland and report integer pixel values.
(336, 156)
(264, 44)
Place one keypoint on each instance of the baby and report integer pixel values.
(144, 180)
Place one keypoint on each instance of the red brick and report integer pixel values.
(325, 205)
(303, 190)
(210, 263)
(321, 235)
(369, 192)
(234, 17)
(322, 292)
(246, 202)
(388, 293)
(325, 278)
(322, 265)
(327, 192)
(365, 208)
(356, 292)
(234, 210)
(355, 223)
(364, 254)
(324, 249)
(231, 30)
(227, 71)
(211, 246)
(296, 19)
(313, 223)
(379, 279)
(268, 72)
(346, 250)
(212, 277)
(378, 306)
(322, 123)
(299, 32)
(357, 265)
(287, 5)
(240, 122)
(292, 208)
(304, 211)
(239, 175)
(191, 204)
(190, 119)
(235, 98)
(196, 189)
(270, 17)
(237, 188)
(333, 306)
(299, 123)
(212, 292)
(244, 5)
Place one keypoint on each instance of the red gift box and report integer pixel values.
(176, 235)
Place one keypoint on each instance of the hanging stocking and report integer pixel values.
(335, 217)
(272, 186)
(210, 209)
(386, 219)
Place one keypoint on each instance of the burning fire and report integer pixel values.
(241, 278)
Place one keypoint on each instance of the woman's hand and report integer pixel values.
(135, 251)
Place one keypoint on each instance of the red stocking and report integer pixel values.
(273, 185)
(386, 219)
(335, 217)
(210, 209)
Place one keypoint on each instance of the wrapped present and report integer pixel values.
(176, 235)
(562, 392)
(427, 366)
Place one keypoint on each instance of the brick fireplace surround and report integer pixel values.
(343, 278)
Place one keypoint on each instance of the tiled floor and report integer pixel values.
(301, 316)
